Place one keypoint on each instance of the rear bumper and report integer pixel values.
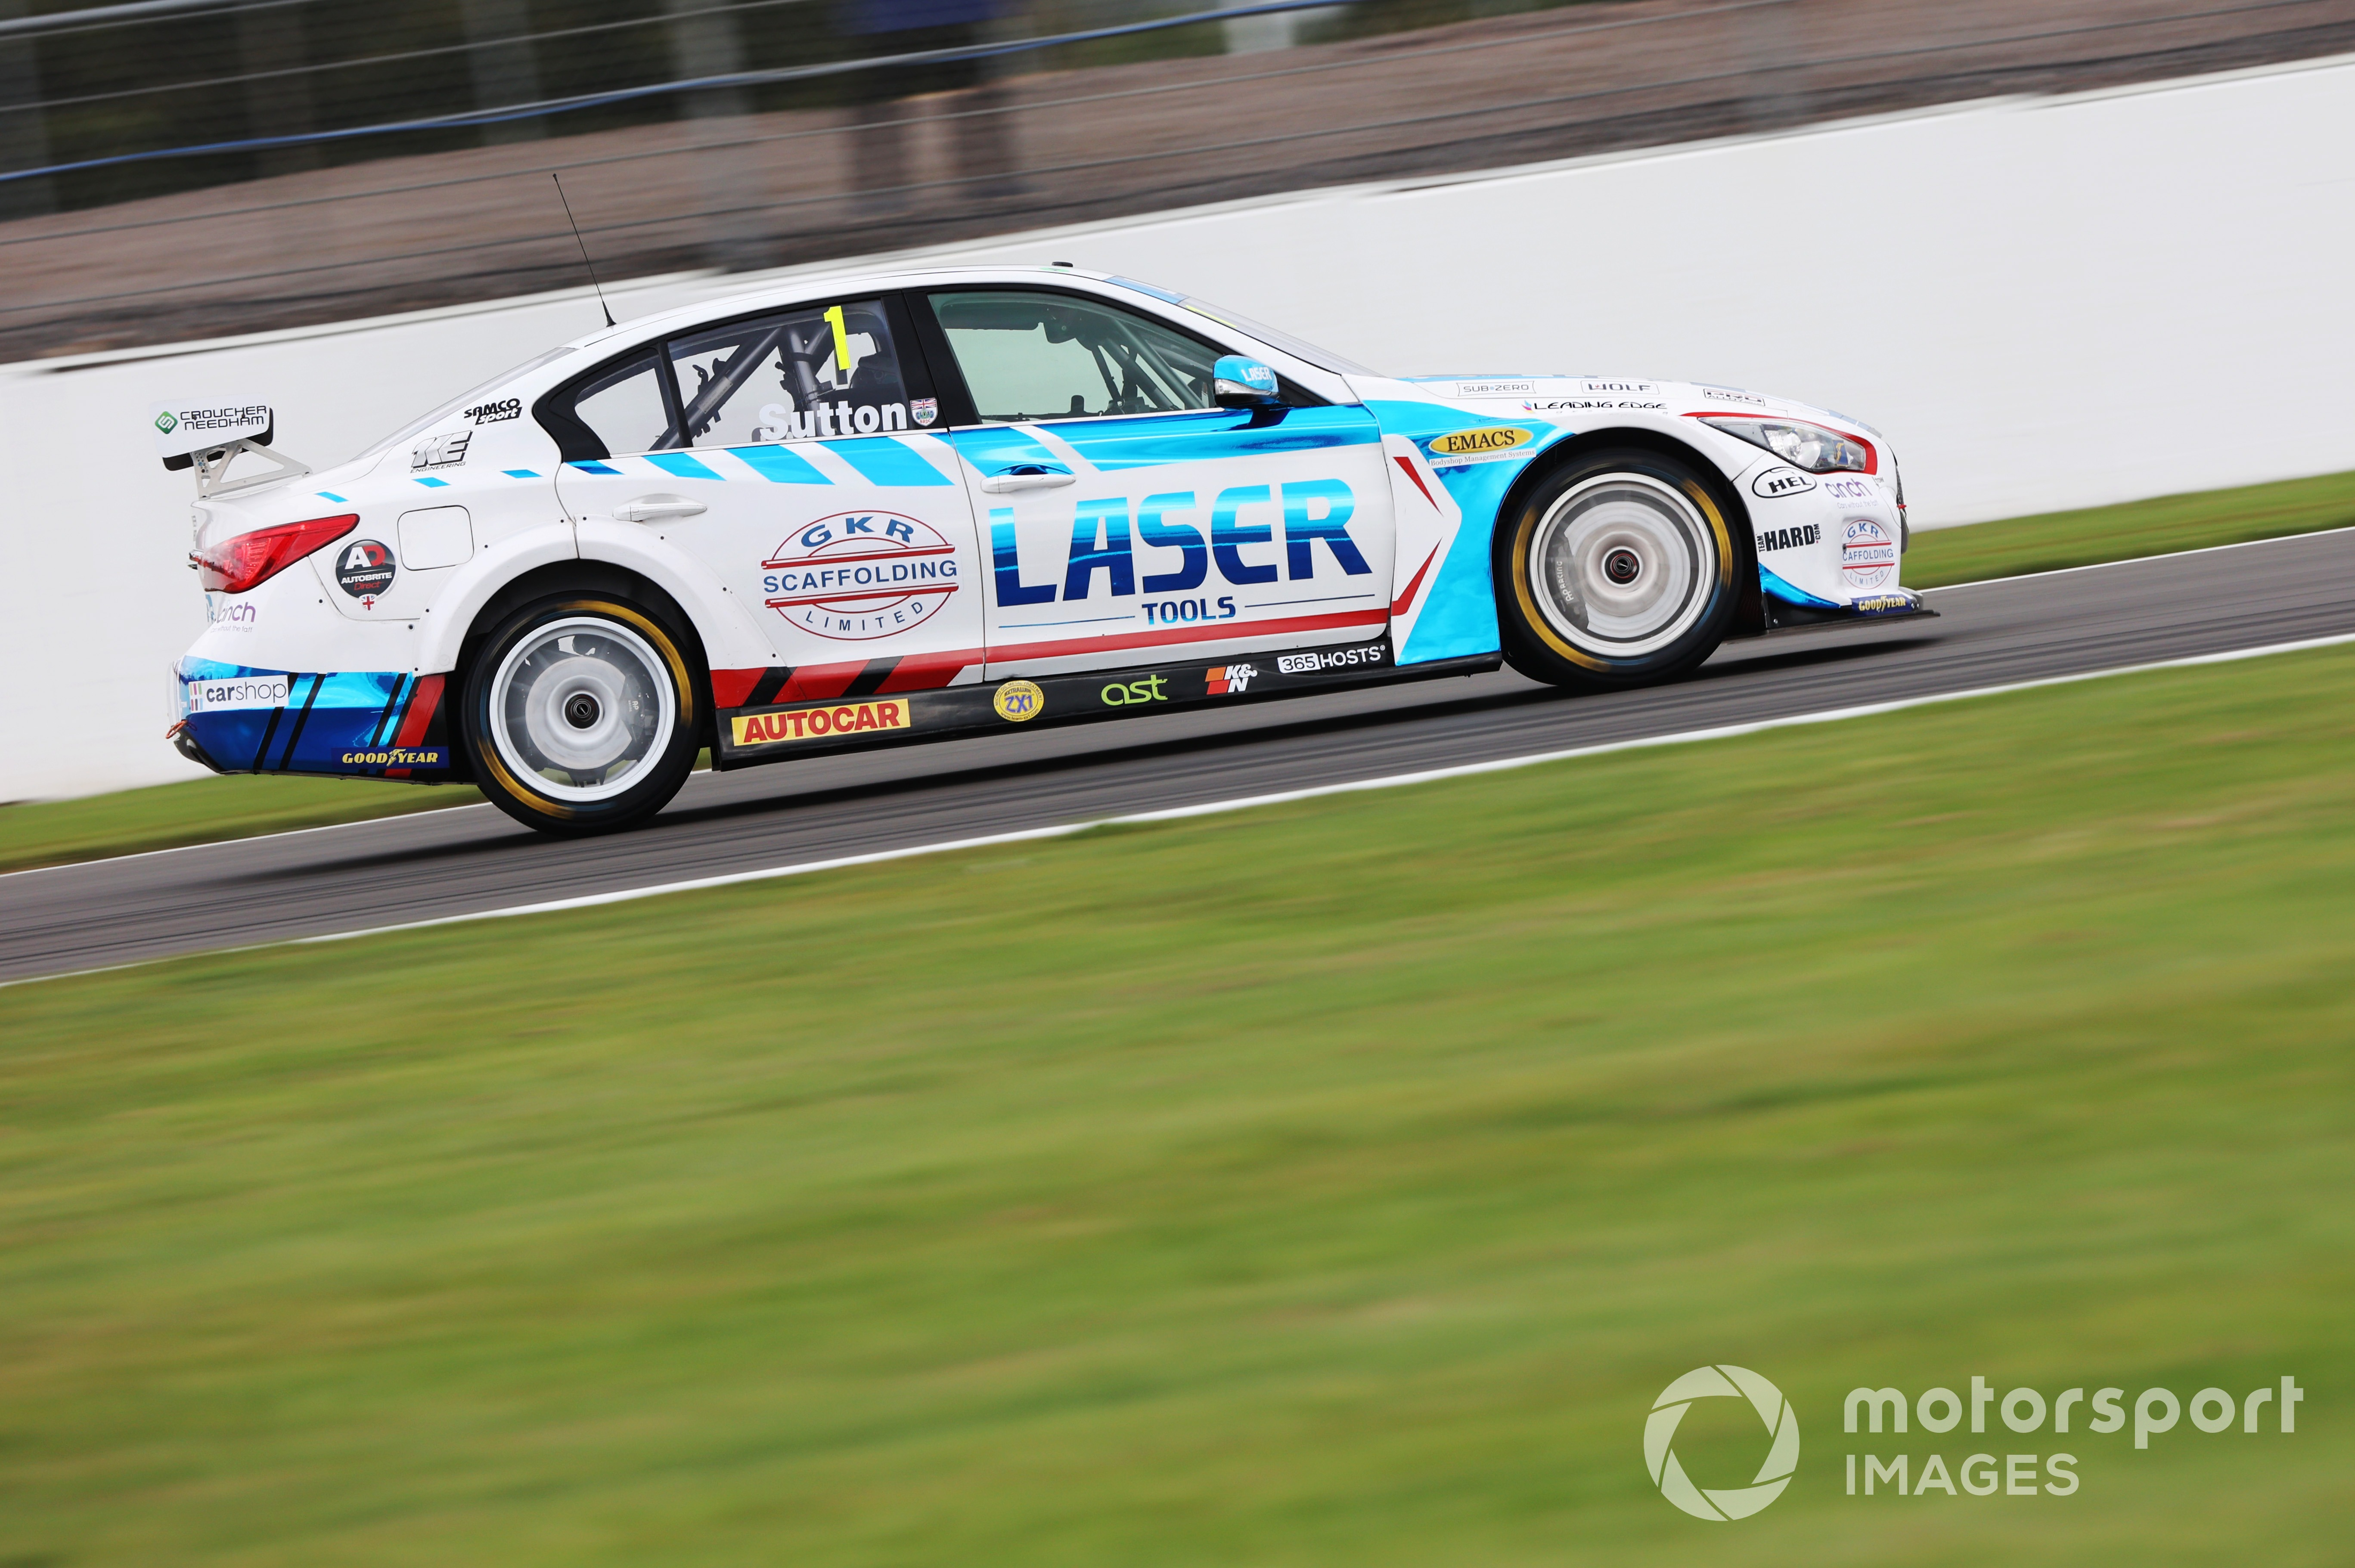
(347, 724)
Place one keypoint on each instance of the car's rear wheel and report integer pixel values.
(580, 714)
(1617, 569)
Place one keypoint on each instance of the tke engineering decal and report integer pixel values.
(815, 723)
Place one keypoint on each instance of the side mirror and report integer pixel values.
(1237, 382)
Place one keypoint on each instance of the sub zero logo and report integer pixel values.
(364, 571)
(1868, 555)
(1721, 1383)
(1492, 388)
(861, 575)
(1777, 482)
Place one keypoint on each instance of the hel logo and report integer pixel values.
(857, 576)
(1868, 555)
(364, 571)
(1469, 444)
(1019, 700)
(1721, 1383)
(812, 724)
(1776, 481)
(1233, 678)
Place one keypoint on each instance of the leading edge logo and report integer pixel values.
(1721, 1383)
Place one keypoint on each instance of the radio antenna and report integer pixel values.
(584, 249)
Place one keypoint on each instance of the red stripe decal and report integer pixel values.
(730, 688)
(422, 704)
(1411, 473)
(1222, 633)
(821, 681)
(926, 672)
(1407, 598)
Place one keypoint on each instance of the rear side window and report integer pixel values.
(1036, 356)
(615, 409)
(799, 375)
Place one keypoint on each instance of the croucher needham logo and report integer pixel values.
(818, 723)
(1485, 444)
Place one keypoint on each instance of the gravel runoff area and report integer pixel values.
(771, 189)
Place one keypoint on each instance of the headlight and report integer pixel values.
(1807, 446)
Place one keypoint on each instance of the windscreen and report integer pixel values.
(1307, 353)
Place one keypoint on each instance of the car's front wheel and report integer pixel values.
(580, 714)
(1618, 569)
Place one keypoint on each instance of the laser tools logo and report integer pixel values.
(1721, 1383)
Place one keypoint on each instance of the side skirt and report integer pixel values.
(751, 735)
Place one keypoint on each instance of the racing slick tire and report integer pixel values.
(1619, 568)
(580, 714)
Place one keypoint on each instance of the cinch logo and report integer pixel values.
(1472, 443)
(861, 575)
(1721, 1383)
(1313, 510)
(810, 723)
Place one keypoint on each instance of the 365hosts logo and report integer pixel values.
(1721, 1383)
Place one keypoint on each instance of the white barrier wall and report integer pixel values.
(2044, 304)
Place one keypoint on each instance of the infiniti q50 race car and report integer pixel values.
(887, 509)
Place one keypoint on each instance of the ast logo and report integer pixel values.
(861, 575)
(1779, 482)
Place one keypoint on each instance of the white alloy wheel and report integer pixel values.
(579, 708)
(1622, 565)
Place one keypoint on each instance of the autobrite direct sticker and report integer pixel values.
(364, 571)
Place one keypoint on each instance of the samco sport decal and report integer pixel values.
(861, 575)
(816, 723)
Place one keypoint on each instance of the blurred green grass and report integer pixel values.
(201, 811)
(1335, 1183)
(205, 811)
(1940, 558)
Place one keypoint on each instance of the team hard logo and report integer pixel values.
(861, 575)
(1721, 1383)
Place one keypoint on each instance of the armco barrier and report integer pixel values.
(2043, 303)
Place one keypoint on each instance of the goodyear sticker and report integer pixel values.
(815, 723)
(1490, 443)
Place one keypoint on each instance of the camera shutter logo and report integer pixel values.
(1721, 1383)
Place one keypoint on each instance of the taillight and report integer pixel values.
(248, 560)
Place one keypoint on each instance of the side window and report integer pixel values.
(1028, 356)
(618, 407)
(798, 375)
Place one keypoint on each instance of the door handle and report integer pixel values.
(1026, 476)
(653, 509)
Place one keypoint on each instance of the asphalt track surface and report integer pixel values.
(444, 863)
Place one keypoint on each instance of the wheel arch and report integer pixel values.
(1750, 612)
(577, 576)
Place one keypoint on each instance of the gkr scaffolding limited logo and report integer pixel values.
(1721, 1383)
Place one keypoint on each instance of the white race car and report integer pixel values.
(884, 509)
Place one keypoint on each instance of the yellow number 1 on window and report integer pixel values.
(841, 343)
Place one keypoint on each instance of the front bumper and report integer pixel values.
(349, 724)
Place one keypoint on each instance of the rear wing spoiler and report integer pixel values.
(209, 436)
